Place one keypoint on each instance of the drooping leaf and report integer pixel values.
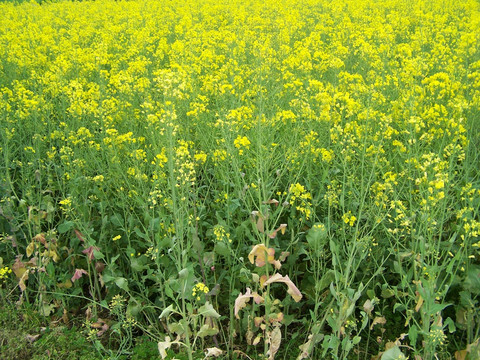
(213, 352)
(78, 274)
(208, 310)
(292, 289)
(274, 340)
(89, 252)
(260, 254)
(163, 346)
(167, 311)
(242, 300)
(393, 353)
(368, 306)
(79, 235)
(260, 224)
(378, 320)
(32, 338)
(207, 330)
(19, 267)
(30, 249)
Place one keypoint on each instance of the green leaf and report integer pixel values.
(169, 291)
(107, 278)
(222, 249)
(413, 335)
(398, 307)
(134, 308)
(46, 309)
(393, 353)
(97, 254)
(208, 310)
(65, 226)
(437, 308)
(387, 293)
(206, 330)
(317, 237)
(451, 325)
(167, 311)
(122, 283)
(117, 220)
(140, 234)
(177, 328)
(472, 282)
(326, 280)
(138, 263)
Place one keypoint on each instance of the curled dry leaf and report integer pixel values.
(78, 274)
(283, 256)
(90, 252)
(368, 307)
(281, 228)
(79, 235)
(32, 338)
(100, 324)
(378, 320)
(40, 238)
(271, 201)
(242, 300)
(99, 266)
(213, 352)
(274, 340)
(88, 313)
(21, 281)
(260, 225)
(163, 346)
(419, 303)
(292, 289)
(257, 256)
(249, 336)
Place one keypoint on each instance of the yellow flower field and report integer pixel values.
(148, 146)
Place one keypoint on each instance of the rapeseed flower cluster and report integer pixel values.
(199, 289)
(4, 272)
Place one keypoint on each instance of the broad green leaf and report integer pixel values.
(138, 263)
(326, 280)
(208, 310)
(206, 330)
(222, 249)
(134, 308)
(117, 220)
(140, 234)
(317, 237)
(472, 282)
(451, 325)
(393, 353)
(65, 226)
(168, 291)
(122, 283)
(413, 335)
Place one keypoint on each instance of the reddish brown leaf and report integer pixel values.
(79, 235)
(89, 252)
(78, 274)
(99, 266)
(40, 238)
